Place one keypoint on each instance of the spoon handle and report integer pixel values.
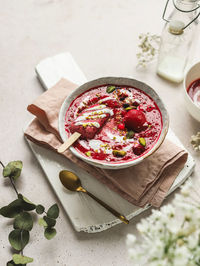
(114, 212)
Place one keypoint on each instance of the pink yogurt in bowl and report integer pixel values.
(192, 91)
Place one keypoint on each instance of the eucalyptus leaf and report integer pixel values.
(27, 204)
(9, 211)
(11, 263)
(12, 210)
(40, 209)
(19, 259)
(53, 211)
(13, 169)
(18, 239)
(15, 207)
(23, 221)
(27, 200)
(42, 222)
(16, 203)
(49, 233)
(50, 221)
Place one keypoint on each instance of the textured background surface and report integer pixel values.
(102, 37)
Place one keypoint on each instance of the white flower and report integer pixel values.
(182, 255)
(171, 235)
(168, 210)
(186, 188)
(157, 248)
(143, 227)
(173, 227)
(130, 240)
(162, 262)
(192, 241)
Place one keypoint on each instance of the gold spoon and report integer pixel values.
(73, 183)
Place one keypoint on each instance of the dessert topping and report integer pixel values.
(119, 153)
(110, 89)
(134, 120)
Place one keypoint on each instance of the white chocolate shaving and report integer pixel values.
(97, 112)
(106, 99)
(84, 124)
(92, 115)
(101, 106)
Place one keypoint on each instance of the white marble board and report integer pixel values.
(85, 214)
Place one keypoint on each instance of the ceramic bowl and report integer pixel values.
(192, 74)
(117, 82)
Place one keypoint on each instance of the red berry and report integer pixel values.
(121, 126)
(112, 103)
(135, 120)
(150, 108)
(123, 113)
(138, 149)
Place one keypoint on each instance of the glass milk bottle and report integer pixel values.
(176, 39)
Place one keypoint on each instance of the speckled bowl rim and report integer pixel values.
(118, 81)
(192, 108)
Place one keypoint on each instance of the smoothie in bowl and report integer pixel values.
(120, 124)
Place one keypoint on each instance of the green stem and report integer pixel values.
(183, 223)
(11, 180)
(13, 184)
(21, 252)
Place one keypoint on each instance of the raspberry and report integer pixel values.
(138, 149)
(134, 120)
(121, 126)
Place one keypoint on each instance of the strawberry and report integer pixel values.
(134, 120)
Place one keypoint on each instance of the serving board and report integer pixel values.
(85, 214)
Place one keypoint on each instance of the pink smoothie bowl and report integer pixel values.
(116, 81)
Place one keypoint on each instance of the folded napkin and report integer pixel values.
(145, 183)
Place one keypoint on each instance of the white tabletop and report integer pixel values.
(102, 36)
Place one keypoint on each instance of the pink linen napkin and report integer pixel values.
(145, 183)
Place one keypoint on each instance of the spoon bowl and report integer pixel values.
(70, 180)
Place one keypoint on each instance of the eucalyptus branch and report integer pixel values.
(20, 210)
(2, 164)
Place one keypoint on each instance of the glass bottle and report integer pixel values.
(176, 40)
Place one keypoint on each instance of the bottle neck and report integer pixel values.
(186, 5)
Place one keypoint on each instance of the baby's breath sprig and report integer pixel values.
(195, 141)
(149, 45)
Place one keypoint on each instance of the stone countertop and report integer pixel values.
(102, 36)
